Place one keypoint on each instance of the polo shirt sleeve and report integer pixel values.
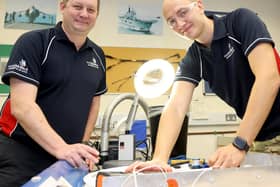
(102, 85)
(189, 68)
(25, 60)
(250, 29)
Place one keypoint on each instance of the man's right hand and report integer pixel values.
(78, 154)
(153, 166)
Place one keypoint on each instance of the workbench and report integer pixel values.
(258, 170)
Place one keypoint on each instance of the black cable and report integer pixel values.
(147, 157)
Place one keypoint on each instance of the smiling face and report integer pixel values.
(79, 16)
(185, 17)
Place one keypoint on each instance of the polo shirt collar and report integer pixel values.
(60, 35)
(88, 44)
(219, 27)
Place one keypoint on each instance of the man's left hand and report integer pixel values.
(226, 157)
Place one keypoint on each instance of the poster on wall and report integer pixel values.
(30, 14)
(140, 18)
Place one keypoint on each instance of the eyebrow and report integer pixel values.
(181, 9)
(178, 11)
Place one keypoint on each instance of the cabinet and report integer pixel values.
(203, 140)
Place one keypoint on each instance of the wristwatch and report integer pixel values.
(240, 144)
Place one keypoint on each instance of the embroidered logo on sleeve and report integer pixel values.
(21, 66)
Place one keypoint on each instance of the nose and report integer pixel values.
(84, 12)
(180, 23)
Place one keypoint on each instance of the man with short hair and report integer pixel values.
(56, 77)
(236, 55)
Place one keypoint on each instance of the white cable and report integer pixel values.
(125, 181)
(198, 177)
(134, 173)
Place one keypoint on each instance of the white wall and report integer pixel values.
(105, 32)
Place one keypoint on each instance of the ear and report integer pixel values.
(62, 5)
(200, 5)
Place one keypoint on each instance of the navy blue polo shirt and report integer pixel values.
(225, 64)
(67, 80)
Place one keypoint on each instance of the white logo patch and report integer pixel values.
(93, 63)
(21, 66)
(230, 52)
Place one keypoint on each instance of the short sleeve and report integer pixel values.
(190, 67)
(250, 29)
(102, 85)
(25, 60)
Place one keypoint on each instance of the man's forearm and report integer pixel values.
(259, 105)
(37, 127)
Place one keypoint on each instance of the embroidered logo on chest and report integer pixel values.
(230, 52)
(93, 63)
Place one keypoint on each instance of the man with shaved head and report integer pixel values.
(237, 56)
